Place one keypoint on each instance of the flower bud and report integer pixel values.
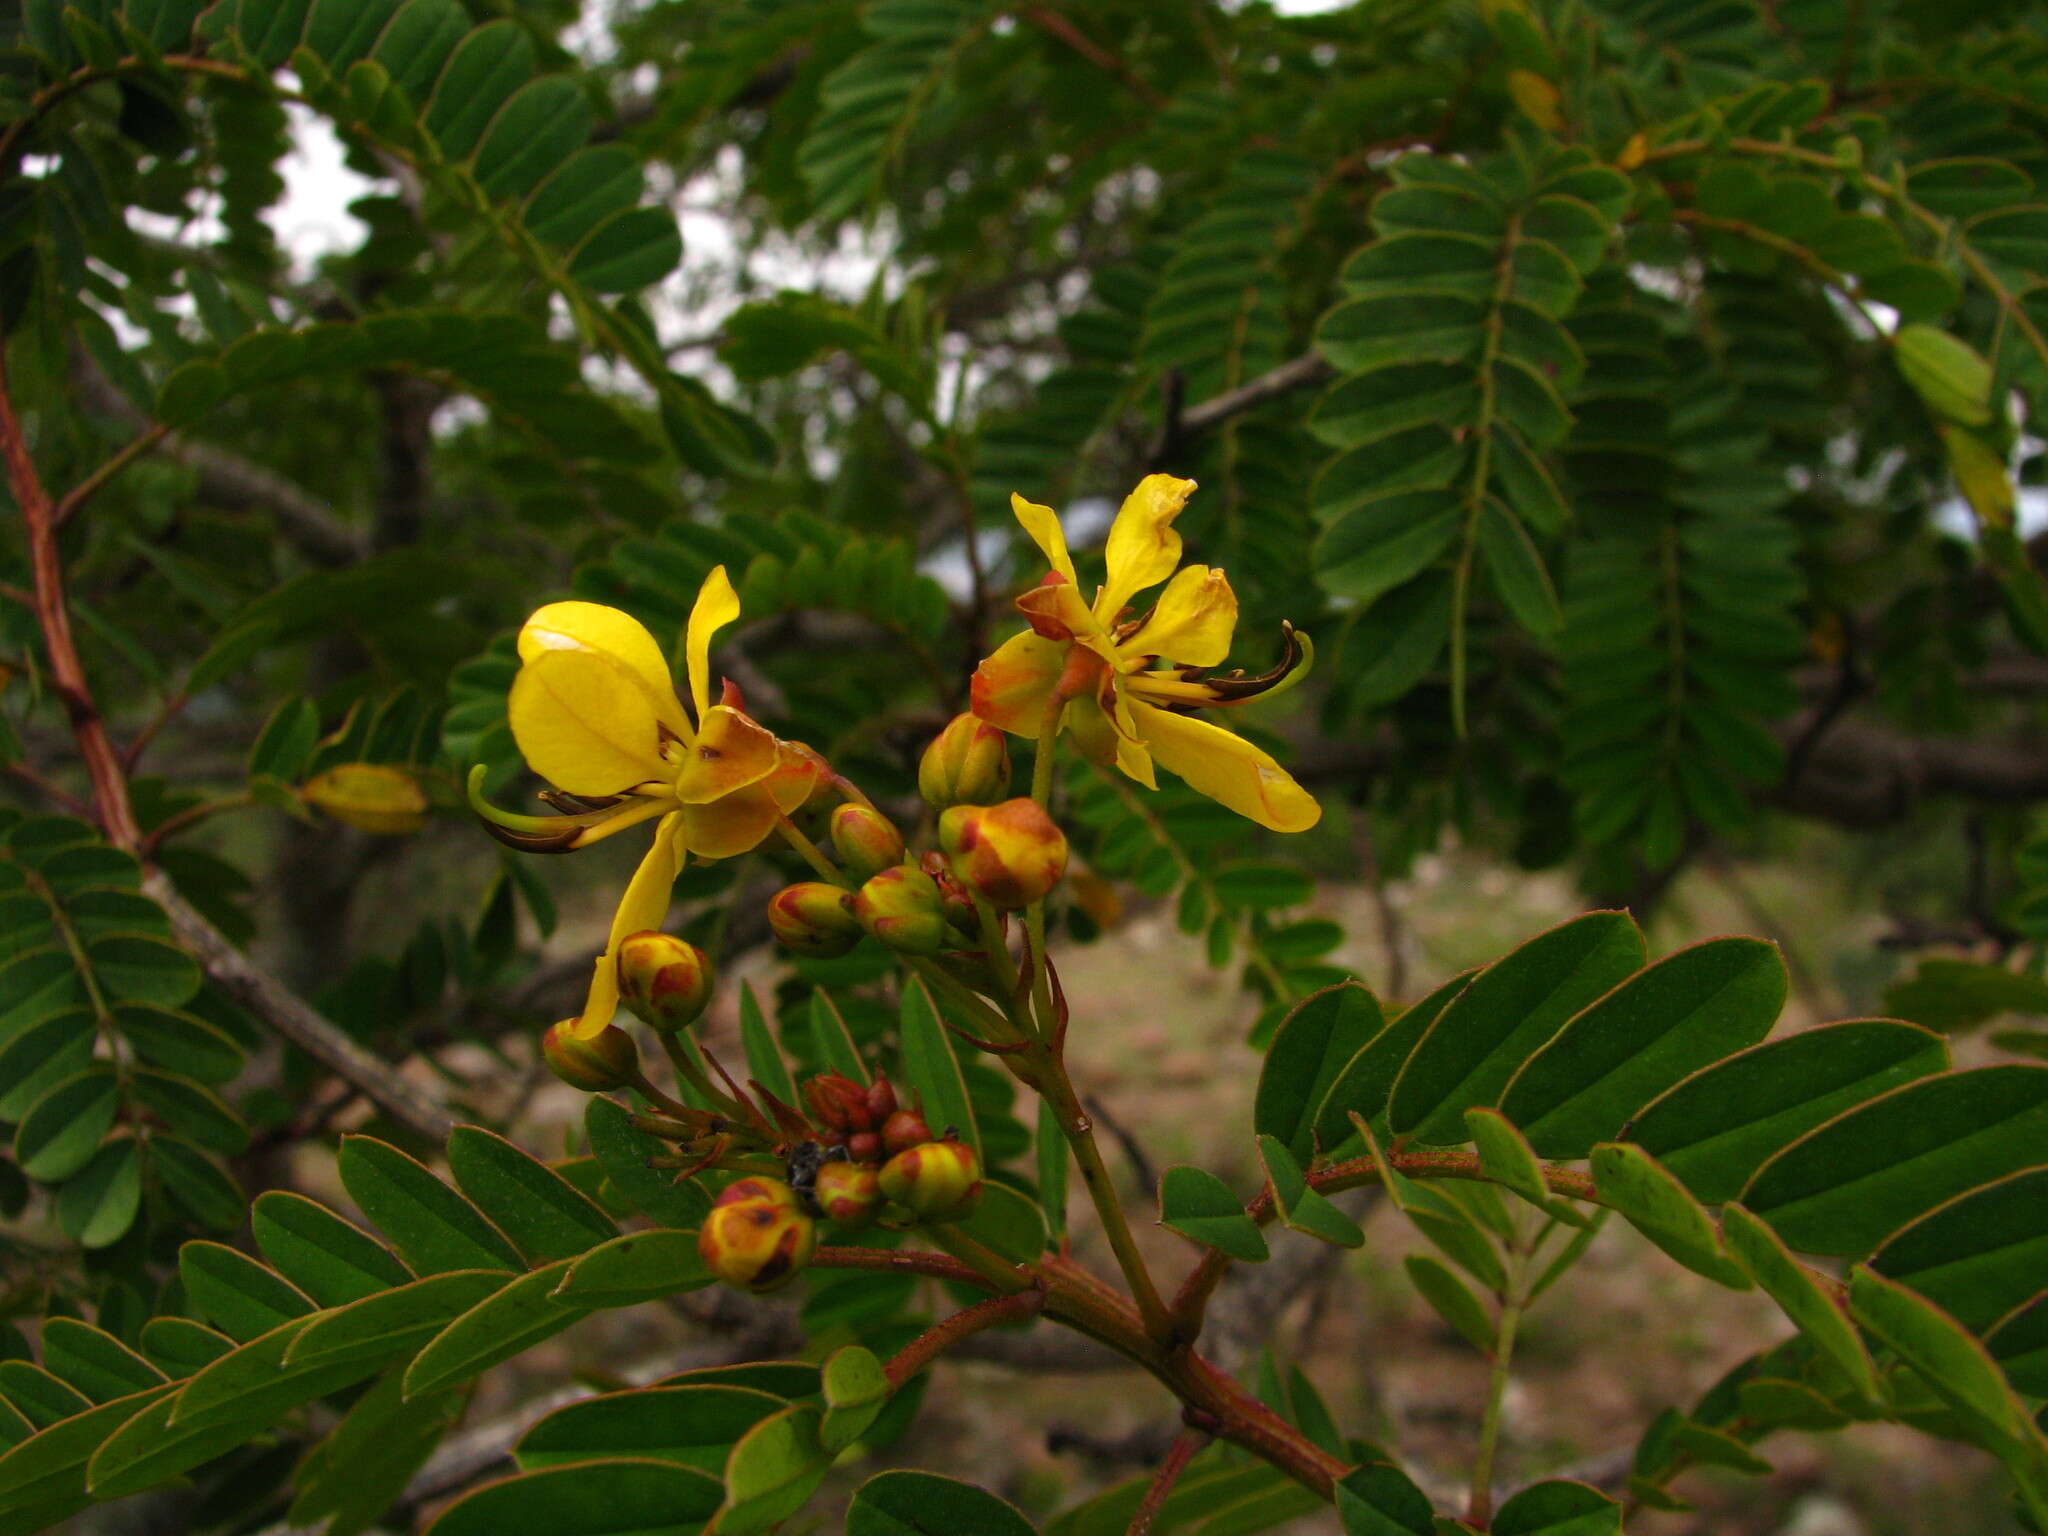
(606, 1060)
(967, 763)
(837, 1103)
(866, 841)
(814, 918)
(938, 1180)
(864, 1146)
(881, 1100)
(900, 906)
(664, 979)
(1009, 854)
(847, 1193)
(903, 1130)
(755, 1237)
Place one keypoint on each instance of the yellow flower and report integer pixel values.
(595, 713)
(1117, 682)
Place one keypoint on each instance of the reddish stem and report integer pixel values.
(1186, 1446)
(67, 672)
(944, 1334)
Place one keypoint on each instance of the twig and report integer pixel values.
(1143, 1170)
(1186, 1446)
(290, 1016)
(1051, 22)
(944, 1334)
(89, 487)
(1304, 371)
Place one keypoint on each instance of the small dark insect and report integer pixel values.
(803, 1162)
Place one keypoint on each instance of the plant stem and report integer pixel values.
(1480, 1507)
(1186, 1446)
(1020, 1306)
(827, 871)
(1058, 1092)
(991, 1266)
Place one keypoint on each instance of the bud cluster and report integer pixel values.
(1007, 854)
(856, 1118)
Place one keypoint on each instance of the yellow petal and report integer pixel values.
(732, 751)
(1043, 524)
(609, 632)
(1193, 622)
(1013, 687)
(797, 771)
(584, 722)
(733, 824)
(1226, 768)
(1143, 548)
(1057, 612)
(644, 906)
(717, 606)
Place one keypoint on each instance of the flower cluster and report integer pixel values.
(596, 714)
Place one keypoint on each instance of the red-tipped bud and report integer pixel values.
(939, 1180)
(756, 1237)
(866, 841)
(848, 1193)
(881, 1100)
(967, 763)
(665, 980)
(864, 1147)
(757, 1186)
(1009, 854)
(814, 918)
(605, 1060)
(903, 1130)
(838, 1103)
(900, 906)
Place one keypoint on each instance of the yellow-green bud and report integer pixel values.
(664, 979)
(848, 1193)
(1010, 854)
(756, 1237)
(866, 841)
(605, 1060)
(901, 907)
(939, 1181)
(814, 918)
(968, 763)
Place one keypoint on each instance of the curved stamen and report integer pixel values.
(563, 834)
(1187, 685)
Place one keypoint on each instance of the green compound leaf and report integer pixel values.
(1979, 1256)
(1660, 1208)
(1313, 1046)
(1380, 1500)
(1301, 1207)
(1954, 1365)
(1452, 1300)
(640, 1266)
(1361, 1089)
(1506, 1156)
(1798, 1291)
(433, 1228)
(904, 1503)
(932, 1069)
(331, 1260)
(623, 1149)
(692, 1426)
(500, 1326)
(1503, 1017)
(1849, 1185)
(235, 1293)
(1558, 1509)
(856, 1392)
(773, 1471)
(524, 1198)
(1685, 1012)
(1200, 1207)
(617, 1496)
(1715, 1129)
